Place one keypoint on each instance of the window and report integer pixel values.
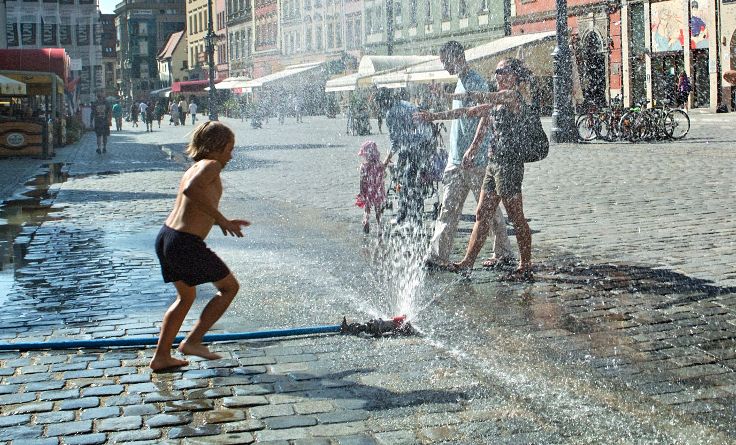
(338, 34)
(49, 34)
(428, 10)
(318, 37)
(483, 6)
(11, 34)
(349, 35)
(358, 33)
(413, 13)
(397, 15)
(462, 10)
(308, 37)
(65, 34)
(368, 21)
(82, 35)
(446, 10)
(330, 35)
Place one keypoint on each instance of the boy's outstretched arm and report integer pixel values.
(198, 188)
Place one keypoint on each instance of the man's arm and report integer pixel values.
(198, 189)
(438, 116)
(480, 134)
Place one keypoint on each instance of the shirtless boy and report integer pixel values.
(185, 259)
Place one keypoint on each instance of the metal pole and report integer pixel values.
(389, 27)
(563, 115)
(210, 42)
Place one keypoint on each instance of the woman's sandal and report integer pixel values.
(520, 275)
(497, 262)
(458, 269)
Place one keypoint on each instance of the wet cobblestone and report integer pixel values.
(660, 337)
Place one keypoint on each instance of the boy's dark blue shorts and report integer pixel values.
(185, 257)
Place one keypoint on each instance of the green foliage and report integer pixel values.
(74, 129)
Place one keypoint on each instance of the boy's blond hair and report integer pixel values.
(209, 137)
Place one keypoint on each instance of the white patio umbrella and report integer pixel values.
(11, 87)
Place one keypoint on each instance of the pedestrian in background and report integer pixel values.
(159, 112)
(117, 114)
(134, 110)
(372, 191)
(505, 171)
(193, 111)
(101, 121)
(150, 116)
(683, 90)
(459, 181)
(174, 113)
(183, 107)
(185, 259)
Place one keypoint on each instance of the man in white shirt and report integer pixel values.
(143, 107)
(193, 111)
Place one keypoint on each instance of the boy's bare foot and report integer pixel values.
(160, 364)
(199, 350)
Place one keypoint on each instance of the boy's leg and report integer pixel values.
(173, 318)
(99, 144)
(104, 143)
(227, 289)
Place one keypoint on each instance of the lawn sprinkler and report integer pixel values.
(396, 326)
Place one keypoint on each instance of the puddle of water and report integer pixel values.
(20, 215)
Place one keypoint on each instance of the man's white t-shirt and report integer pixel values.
(192, 108)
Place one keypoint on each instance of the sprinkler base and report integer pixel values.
(397, 326)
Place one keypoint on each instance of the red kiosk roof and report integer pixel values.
(46, 60)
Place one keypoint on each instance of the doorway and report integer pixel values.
(593, 70)
(701, 78)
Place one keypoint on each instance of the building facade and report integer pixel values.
(172, 60)
(636, 49)
(239, 22)
(70, 24)
(266, 37)
(109, 56)
(142, 29)
(197, 19)
(420, 27)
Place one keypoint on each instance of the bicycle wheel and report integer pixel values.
(586, 125)
(676, 124)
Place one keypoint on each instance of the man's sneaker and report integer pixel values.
(99, 151)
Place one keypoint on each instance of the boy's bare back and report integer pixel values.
(196, 207)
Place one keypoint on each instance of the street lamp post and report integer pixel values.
(209, 41)
(563, 116)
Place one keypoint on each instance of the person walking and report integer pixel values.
(174, 113)
(457, 180)
(150, 116)
(117, 114)
(505, 169)
(372, 191)
(193, 111)
(134, 110)
(101, 121)
(411, 141)
(185, 259)
(159, 112)
(683, 90)
(183, 107)
(142, 108)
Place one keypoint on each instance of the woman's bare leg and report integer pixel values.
(487, 203)
(515, 209)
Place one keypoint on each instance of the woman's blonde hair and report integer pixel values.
(210, 137)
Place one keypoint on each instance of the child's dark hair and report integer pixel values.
(210, 137)
(522, 73)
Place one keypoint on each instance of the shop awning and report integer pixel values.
(11, 87)
(231, 83)
(370, 66)
(46, 60)
(37, 83)
(191, 86)
(291, 74)
(161, 92)
(535, 49)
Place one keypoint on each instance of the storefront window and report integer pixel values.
(28, 33)
(49, 34)
(11, 34)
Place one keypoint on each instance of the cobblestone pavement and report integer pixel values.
(627, 336)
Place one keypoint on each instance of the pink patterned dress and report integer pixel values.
(372, 190)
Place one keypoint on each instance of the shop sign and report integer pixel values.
(15, 140)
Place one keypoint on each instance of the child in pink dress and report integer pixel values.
(372, 193)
